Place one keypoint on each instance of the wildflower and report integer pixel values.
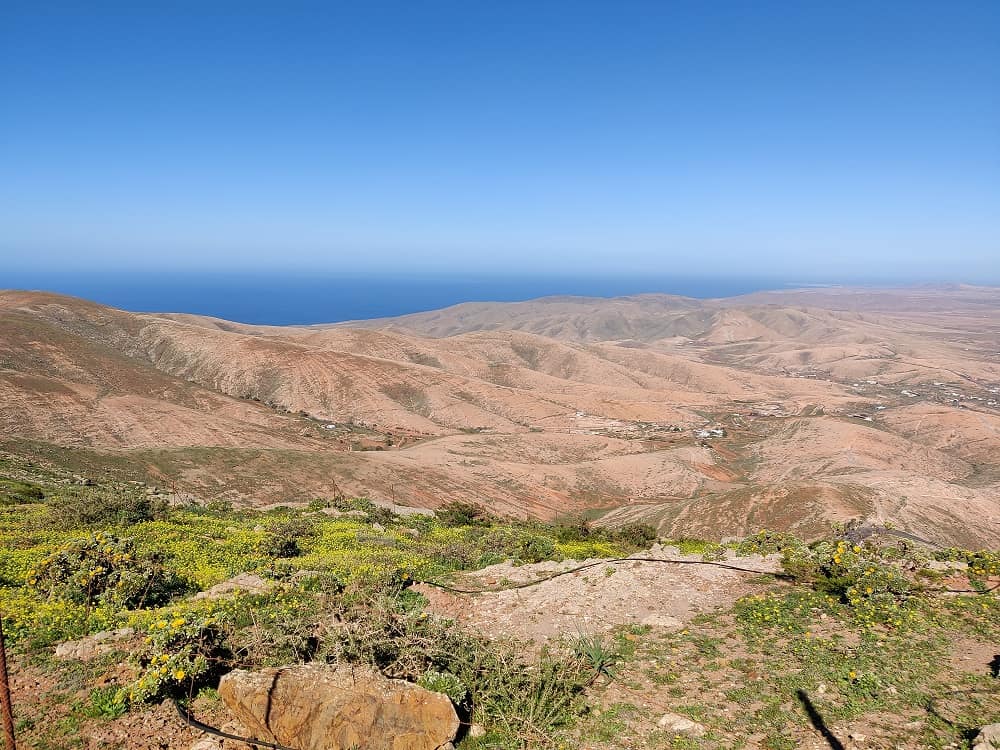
(179, 674)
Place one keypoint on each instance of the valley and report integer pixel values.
(714, 418)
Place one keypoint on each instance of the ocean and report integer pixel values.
(290, 299)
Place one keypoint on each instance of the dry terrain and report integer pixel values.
(708, 418)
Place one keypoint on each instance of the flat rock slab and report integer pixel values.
(336, 707)
(249, 582)
(602, 597)
(94, 645)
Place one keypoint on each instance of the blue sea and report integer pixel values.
(287, 299)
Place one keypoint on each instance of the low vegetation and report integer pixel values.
(851, 632)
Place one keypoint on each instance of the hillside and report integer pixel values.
(826, 405)
(524, 635)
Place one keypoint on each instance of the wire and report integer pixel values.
(537, 581)
(577, 569)
(202, 726)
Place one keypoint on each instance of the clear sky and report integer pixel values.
(793, 139)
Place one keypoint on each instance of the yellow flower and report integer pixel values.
(179, 674)
(178, 622)
(852, 675)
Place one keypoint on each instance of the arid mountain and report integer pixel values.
(779, 409)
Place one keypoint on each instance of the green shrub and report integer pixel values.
(637, 534)
(457, 513)
(219, 506)
(579, 531)
(509, 690)
(444, 682)
(522, 545)
(182, 651)
(373, 513)
(268, 630)
(873, 586)
(599, 654)
(767, 543)
(281, 540)
(105, 569)
(13, 492)
(105, 506)
(105, 703)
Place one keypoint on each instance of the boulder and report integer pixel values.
(336, 707)
(94, 645)
(242, 582)
(988, 738)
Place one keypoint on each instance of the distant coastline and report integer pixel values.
(300, 299)
(307, 299)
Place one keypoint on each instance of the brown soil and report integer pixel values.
(552, 408)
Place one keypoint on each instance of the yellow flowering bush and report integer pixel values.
(104, 569)
(180, 649)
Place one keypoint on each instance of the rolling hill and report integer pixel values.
(716, 417)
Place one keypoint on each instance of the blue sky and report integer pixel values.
(792, 139)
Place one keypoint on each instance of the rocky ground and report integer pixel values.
(603, 596)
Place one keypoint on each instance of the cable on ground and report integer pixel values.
(189, 719)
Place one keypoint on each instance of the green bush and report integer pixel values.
(373, 513)
(580, 531)
(509, 689)
(636, 534)
(13, 492)
(105, 506)
(282, 538)
(444, 682)
(105, 569)
(522, 545)
(457, 513)
(181, 653)
(861, 577)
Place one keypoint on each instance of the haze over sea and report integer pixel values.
(289, 299)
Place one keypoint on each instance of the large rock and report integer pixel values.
(336, 707)
(988, 738)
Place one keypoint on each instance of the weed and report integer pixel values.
(105, 703)
(599, 653)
